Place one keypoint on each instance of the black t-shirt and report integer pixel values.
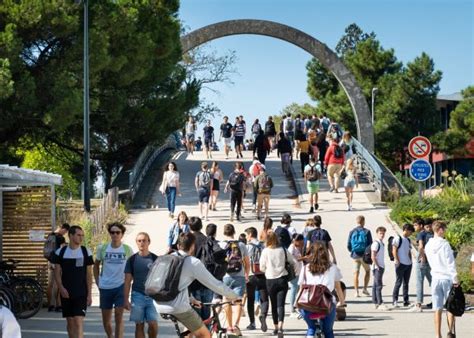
(60, 240)
(319, 235)
(226, 129)
(208, 132)
(270, 128)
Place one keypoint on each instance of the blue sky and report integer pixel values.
(272, 73)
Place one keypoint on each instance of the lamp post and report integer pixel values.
(374, 91)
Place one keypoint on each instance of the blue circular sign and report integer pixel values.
(420, 170)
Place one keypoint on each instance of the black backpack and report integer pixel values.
(456, 302)
(338, 152)
(162, 282)
(390, 246)
(235, 181)
(317, 235)
(367, 257)
(284, 236)
(214, 258)
(255, 254)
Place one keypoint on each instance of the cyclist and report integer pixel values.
(192, 269)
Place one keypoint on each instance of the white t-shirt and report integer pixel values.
(9, 325)
(112, 273)
(296, 253)
(404, 250)
(171, 178)
(379, 247)
(329, 278)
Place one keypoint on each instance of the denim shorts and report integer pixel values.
(143, 309)
(204, 194)
(439, 292)
(110, 298)
(236, 283)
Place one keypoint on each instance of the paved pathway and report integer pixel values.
(362, 320)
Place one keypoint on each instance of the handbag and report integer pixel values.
(289, 268)
(164, 184)
(314, 298)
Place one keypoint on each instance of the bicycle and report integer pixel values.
(22, 295)
(213, 322)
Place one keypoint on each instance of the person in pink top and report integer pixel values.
(334, 160)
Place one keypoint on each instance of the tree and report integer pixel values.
(138, 89)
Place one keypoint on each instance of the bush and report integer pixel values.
(408, 183)
(463, 265)
(460, 232)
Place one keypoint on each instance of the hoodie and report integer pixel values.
(441, 259)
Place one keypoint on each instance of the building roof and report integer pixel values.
(451, 97)
(10, 175)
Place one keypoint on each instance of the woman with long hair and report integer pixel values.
(320, 271)
(267, 226)
(273, 263)
(170, 186)
(351, 181)
(216, 178)
(181, 225)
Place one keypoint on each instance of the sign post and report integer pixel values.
(420, 170)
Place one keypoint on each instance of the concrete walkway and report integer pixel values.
(362, 319)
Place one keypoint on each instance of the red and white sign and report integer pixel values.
(419, 147)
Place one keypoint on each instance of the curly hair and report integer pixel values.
(319, 261)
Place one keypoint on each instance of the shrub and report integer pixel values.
(460, 232)
(463, 265)
(408, 183)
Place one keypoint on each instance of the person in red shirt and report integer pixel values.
(334, 160)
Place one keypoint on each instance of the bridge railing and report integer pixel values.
(145, 160)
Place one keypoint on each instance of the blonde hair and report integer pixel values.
(144, 234)
(272, 240)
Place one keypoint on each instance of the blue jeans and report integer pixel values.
(171, 198)
(327, 323)
(204, 295)
(422, 270)
(293, 292)
(378, 285)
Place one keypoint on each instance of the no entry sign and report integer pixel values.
(419, 147)
(420, 170)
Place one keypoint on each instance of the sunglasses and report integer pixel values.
(115, 232)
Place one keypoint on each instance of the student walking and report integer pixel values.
(256, 128)
(443, 270)
(377, 250)
(320, 271)
(263, 186)
(170, 186)
(190, 130)
(208, 139)
(254, 171)
(296, 250)
(217, 176)
(73, 275)
(239, 134)
(303, 148)
(202, 182)
(236, 185)
(267, 226)
(359, 239)
(226, 134)
(312, 176)
(284, 151)
(136, 269)
(334, 160)
(318, 234)
(273, 264)
(270, 132)
(110, 279)
(401, 249)
(351, 181)
(285, 231)
(256, 282)
(181, 225)
(289, 129)
(261, 147)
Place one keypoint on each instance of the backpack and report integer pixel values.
(256, 252)
(284, 236)
(163, 278)
(255, 128)
(456, 302)
(367, 257)
(134, 256)
(390, 246)
(214, 258)
(325, 122)
(235, 181)
(359, 241)
(318, 236)
(313, 174)
(264, 184)
(103, 249)
(299, 126)
(204, 179)
(49, 246)
(289, 125)
(234, 257)
(256, 169)
(338, 153)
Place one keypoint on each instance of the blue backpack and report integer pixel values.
(359, 241)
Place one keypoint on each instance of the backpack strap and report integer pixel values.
(84, 252)
(62, 252)
(132, 263)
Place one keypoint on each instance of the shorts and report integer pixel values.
(439, 292)
(215, 185)
(313, 187)
(73, 307)
(227, 141)
(208, 143)
(238, 140)
(190, 319)
(349, 183)
(236, 283)
(143, 308)
(110, 298)
(190, 137)
(334, 169)
(358, 262)
(203, 194)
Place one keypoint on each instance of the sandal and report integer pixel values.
(237, 331)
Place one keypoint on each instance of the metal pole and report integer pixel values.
(420, 192)
(87, 202)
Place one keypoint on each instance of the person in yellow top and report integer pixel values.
(304, 152)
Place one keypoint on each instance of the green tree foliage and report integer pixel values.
(138, 89)
(406, 97)
(461, 126)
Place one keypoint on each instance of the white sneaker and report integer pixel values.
(365, 292)
(395, 305)
(415, 309)
(382, 307)
(294, 314)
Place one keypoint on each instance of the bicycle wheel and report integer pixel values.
(29, 294)
(7, 298)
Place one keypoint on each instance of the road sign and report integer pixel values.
(419, 147)
(420, 170)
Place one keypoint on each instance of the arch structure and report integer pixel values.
(319, 50)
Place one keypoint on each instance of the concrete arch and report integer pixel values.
(319, 50)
